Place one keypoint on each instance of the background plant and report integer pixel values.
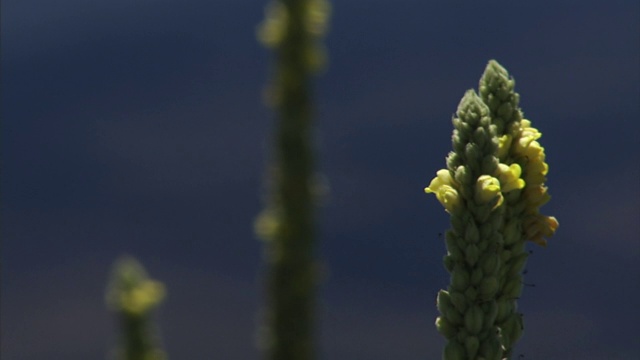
(133, 297)
(293, 29)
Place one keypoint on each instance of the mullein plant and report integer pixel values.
(493, 188)
(293, 29)
(133, 297)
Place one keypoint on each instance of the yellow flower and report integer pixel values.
(318, 16)
(487, 188)
(504, 145)
(272, 30)
(528, 130)
(536, 196)
(537, 227)
(142, 298)
(442, 187)
(526, 145)
(509, 176)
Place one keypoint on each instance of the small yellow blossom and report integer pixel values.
(504, 145)
(142, 298)
(272, 30)
(509, 176)
(318, 12)
(526, 145)
(538, 227)
(487, 188)
(528, 130)
(442, 187)
(536, 196)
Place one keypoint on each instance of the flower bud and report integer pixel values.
(454, 351)
(442, 187)
(487, 189)
(473, 319)
(445, 328)
(471, 344)
(509, 176)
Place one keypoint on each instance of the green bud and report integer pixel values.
(491, 311)
(511, 232)
(517, 264)
(504, 309)
(472, 235)
(505, 110)
(485, 232)
(505, 255)
(456, 223)
(518, 247)
(472, 152)
(513, 288)
(454, 351)
(450, 240)
(489, 287)
(462, 175)
(476, 276)
(459, 125)
(445, 327)
(448, 262)
(490, 349)
(490, 163)
(471, 254)
(490, 263)
(473, 319)
(512, 330)
(456, 254)
(480, 137)
(472, 344)
(471, 294)
(459, 278)
(453, 160)
(446, 308)
(458, 300)
(502, 274)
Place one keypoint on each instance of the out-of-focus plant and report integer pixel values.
(133, 297)
(493, 187)
(293, 29)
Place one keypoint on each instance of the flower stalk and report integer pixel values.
(495, 177)
(293, 29)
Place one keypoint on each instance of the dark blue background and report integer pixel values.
(138, 127)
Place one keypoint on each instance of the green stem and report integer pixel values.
(292, 28)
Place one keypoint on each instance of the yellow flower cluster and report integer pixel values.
(141, 298)
(487, 187)
(528, 151)
(443, 186)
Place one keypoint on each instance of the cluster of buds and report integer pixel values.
(493, 188)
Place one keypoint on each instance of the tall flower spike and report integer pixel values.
(520, 152)
(467, 307)
(498, 171)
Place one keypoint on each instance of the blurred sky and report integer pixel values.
(137, 127)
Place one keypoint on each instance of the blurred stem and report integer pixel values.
(293, 29)
(292, 280)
